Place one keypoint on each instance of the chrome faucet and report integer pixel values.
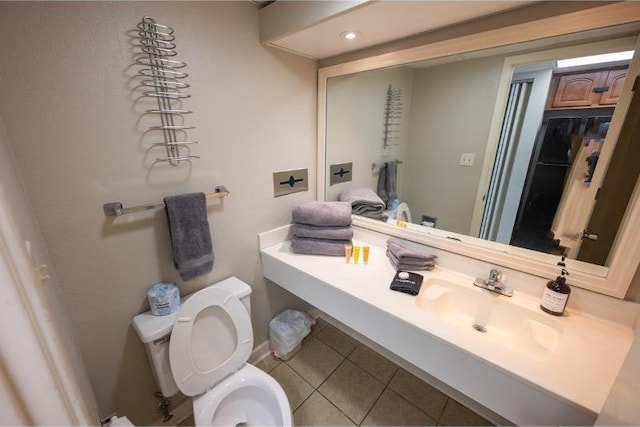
(494, 283)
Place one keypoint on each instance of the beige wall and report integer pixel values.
(48, 296)
(451, 113)
(67, 102)
(355, 109)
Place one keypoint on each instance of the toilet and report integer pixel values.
(202, 351)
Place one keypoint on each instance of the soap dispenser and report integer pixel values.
(556, 294)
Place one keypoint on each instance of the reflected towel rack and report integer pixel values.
(116, 209)
(374, 164)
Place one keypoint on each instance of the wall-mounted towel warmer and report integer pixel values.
(116, 209)
(160, 73)
(392, 116)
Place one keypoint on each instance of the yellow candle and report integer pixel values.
(356, 254)
(365, 254)
(347, 253)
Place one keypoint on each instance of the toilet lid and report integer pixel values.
(211, 338)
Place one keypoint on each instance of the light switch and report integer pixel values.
(291, 181)
(467, 159)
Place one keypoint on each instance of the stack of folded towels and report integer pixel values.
(364, 202)
(404, 258)
(321, 228)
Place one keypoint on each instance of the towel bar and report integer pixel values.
(116, 209)
(374, 164)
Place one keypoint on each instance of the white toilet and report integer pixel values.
(202, 350)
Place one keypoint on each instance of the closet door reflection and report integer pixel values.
(559, 174)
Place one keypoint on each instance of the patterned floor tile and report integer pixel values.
(455, 414)
(315, 362)
(337, 340)
(421, 394)
(393, 410)
(296, 388)
(352, 390)
(372, 362)
(318, 411)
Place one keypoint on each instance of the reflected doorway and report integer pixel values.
(567, 150)
(554, 126)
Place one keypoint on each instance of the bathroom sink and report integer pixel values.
(492, 316)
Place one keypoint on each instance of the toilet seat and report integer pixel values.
(210, 320)
(403, 213)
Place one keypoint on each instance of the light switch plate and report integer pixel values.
(340, 173)
(291, 181)
(467, 159)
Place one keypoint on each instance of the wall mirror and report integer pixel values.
(494, 163)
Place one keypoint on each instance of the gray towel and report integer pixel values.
(190, 235)
(322, 214)
(403, 257)
(402, 265)
(388, 182)
(382, 184)
(364, 202)
(392, 179)
(315, 232)
(301, 245)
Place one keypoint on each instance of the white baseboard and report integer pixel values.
(260, 352)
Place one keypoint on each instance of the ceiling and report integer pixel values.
(317, 35)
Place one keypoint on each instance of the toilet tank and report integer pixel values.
(155, 333)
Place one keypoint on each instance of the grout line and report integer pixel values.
(374, 404)
(443, 409)
(345, 358)
(293, 411)
(301, 377)
(339, 410)
(332, 372)
(317, 389)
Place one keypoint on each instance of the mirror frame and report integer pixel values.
(613, 280)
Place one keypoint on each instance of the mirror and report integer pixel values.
(516, 201)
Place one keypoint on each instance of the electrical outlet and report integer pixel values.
(467, 159)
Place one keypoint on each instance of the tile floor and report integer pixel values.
(335, 380)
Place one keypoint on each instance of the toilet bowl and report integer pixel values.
(210, 342)
(247, 398)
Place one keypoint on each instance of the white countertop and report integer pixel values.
(582, 369)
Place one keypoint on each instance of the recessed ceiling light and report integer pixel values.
(350, 35)
(595, 59)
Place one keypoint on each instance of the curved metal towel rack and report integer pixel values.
(160, 73)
